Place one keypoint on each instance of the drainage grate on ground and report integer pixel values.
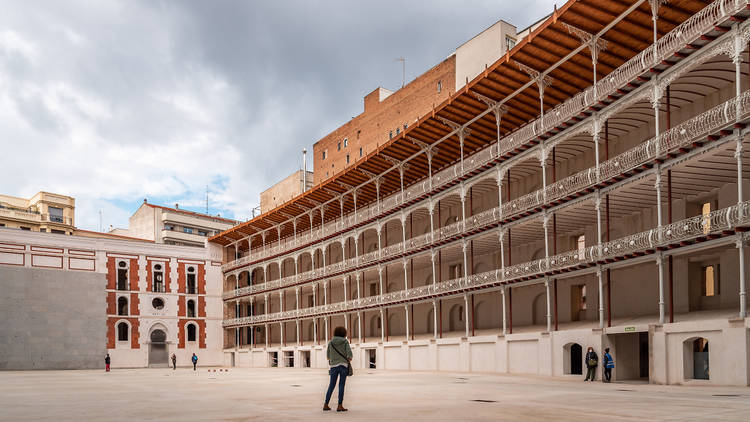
(484, 401)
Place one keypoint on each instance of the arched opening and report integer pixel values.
(696, 359)
(539, 309)
(191, 308)
(573, 359)
(191, 280)
(191, 332)
(456, 318)
(375, 325)
(122, 305)
(157, 350)
(122, 275)
(122, 331)
(158, 279)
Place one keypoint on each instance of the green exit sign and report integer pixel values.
(629, 329)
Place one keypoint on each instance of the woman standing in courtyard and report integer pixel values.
(339, 355)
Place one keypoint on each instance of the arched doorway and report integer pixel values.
(573, 359)
(157, 350)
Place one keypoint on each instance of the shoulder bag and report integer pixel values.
(348, 363)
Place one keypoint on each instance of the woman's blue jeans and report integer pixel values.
(339, 372)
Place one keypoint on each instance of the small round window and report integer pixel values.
(191, 269)
(157, 267)
(157, 303)
(122, 264)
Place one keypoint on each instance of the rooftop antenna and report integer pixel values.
(403, 70)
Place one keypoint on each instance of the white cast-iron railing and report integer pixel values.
(716, 222)
(670, 141)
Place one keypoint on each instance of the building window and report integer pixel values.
(398, 130)
(346, 142)
(202, 232)
(187, 230)
(191, 280)
(339, 146)
(405, 126)
(440, 86)
(158, 279)
(57, 231)
(347, 158)
(390, 135)
(122, 305)
(25, 228)
(325, 154)
(168, 227)
(122, 331)
(122, 275)
(55, 214)
(710, 284)
(509, 43)
(360, 151)
(191, 308)
(43, 230)
(191, 332)
(157, 303)
(358, 132)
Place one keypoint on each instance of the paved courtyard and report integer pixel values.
(297, 394)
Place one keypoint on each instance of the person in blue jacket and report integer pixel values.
(609, 364)
(195, 361)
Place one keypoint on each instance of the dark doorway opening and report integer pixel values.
(576, 359)
(371, 358)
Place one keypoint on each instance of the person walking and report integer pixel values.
(592, 361)
(195, 360)
(106, 362)
(339, 355)
(174, 361)
(608, 364)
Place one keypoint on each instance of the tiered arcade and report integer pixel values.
(499, 235)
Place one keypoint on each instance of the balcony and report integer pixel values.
(671, 43)
(629, 162)
(694, 229)
(20, 214)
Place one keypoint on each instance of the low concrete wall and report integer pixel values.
(51, 319)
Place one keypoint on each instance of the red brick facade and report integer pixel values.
(202, 306)
(182, 333)
(374, 126)
(111, 273)
(201, 279)
(181, 282)
(112, 332)
(133, 274)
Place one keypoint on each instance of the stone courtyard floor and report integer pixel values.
(297, 394)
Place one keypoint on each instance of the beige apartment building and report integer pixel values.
(43, 212)
(173, 226)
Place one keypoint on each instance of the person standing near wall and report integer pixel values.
(174, 361)
(195, 361)
(608, 364)
(106, 362)
(592, 361)
(339, 355)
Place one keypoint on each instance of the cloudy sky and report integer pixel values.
(115, 101)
